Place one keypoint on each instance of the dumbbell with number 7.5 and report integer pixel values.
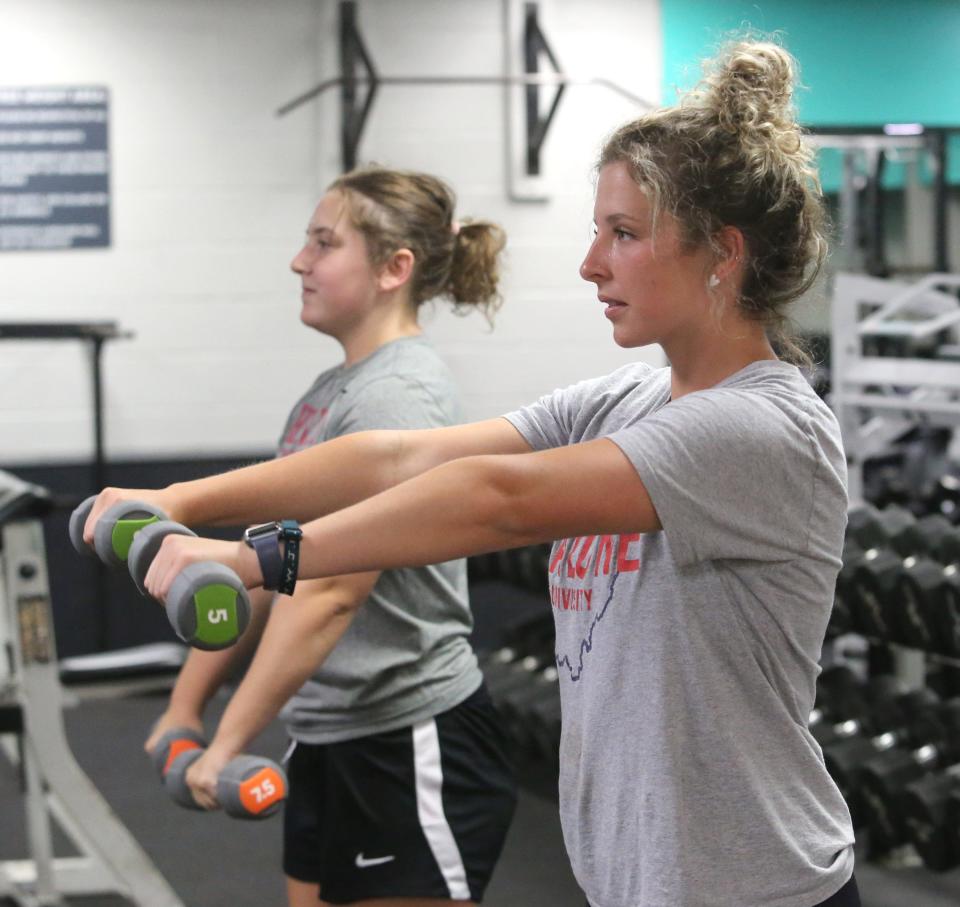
(249, 787)
(207, 605)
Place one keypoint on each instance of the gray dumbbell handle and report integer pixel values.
(161, 752)
(78, 520)
(146, 544)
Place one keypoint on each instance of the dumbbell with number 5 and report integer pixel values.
(207, 605)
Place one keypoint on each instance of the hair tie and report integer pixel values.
(455, 227)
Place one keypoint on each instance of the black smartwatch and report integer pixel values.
(279, 567)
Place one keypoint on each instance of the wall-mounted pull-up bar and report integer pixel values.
(357, 71)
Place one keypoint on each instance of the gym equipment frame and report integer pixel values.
(877, 398)
(111, 860)
(521, 27)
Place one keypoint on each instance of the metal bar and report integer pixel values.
(938, 149)
(348, 86)
(115, 862)
(903, 296)
(874, 221)
(883, 370)
(532, 45)
(539, 79)
(944, 409)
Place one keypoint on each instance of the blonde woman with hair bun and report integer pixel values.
(697, 514)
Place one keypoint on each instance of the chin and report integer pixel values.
(630, 341)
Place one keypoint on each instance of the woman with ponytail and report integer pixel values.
(698, 513)
(373, 672)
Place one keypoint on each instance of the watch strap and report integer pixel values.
(267, 547)
(291, 533)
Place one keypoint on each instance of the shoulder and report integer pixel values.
(769, 403)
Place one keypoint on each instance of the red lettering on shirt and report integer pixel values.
(303, 425)
(558, 556)
(604, 554)
(585, 550)
(575, 558)
(625, 565)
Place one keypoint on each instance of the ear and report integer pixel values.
(732, 251)
(397, 270)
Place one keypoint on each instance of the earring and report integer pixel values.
(714, 281)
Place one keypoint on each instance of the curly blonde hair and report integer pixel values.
(732, 153)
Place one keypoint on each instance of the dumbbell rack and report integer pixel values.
(111, 860)
(877, 398)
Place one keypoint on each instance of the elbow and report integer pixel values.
(507, 507)
(344, 605)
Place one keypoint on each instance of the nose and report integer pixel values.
(299, 265)
(592, 268)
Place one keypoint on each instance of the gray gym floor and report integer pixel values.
(213, 861)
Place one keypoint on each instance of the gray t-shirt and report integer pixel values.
(688, 657)
(405, 656)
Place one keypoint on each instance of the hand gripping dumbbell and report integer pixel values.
(207, 605)
(248, 787)
(115, 529)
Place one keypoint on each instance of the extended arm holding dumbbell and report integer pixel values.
(319, 480)
(301, 632)
(467, 506)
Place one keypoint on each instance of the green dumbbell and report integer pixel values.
(249, 787)
(207, 605)
(115, 529)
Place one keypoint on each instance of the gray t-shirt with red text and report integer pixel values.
(688, 657)
(405, 656)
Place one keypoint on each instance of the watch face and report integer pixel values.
(253, 532)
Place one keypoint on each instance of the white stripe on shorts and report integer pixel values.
(429, 781)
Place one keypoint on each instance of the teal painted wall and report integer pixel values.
(863, 62)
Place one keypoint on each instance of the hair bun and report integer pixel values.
(751, 86)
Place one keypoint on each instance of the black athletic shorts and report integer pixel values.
(417, 812)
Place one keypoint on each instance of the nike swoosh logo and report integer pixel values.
(364, 862)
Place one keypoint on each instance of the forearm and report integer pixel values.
(297, 639)
(468, 506)
(315, 481)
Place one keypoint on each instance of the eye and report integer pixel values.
(622, 234)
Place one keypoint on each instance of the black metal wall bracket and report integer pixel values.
(354, 112)
(357, 70)
(535, 45)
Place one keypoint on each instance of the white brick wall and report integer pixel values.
(210, 194)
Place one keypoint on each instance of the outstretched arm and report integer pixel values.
(466, 506)
(320, 479)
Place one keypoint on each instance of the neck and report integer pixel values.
(701, 362)
(384, 326)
